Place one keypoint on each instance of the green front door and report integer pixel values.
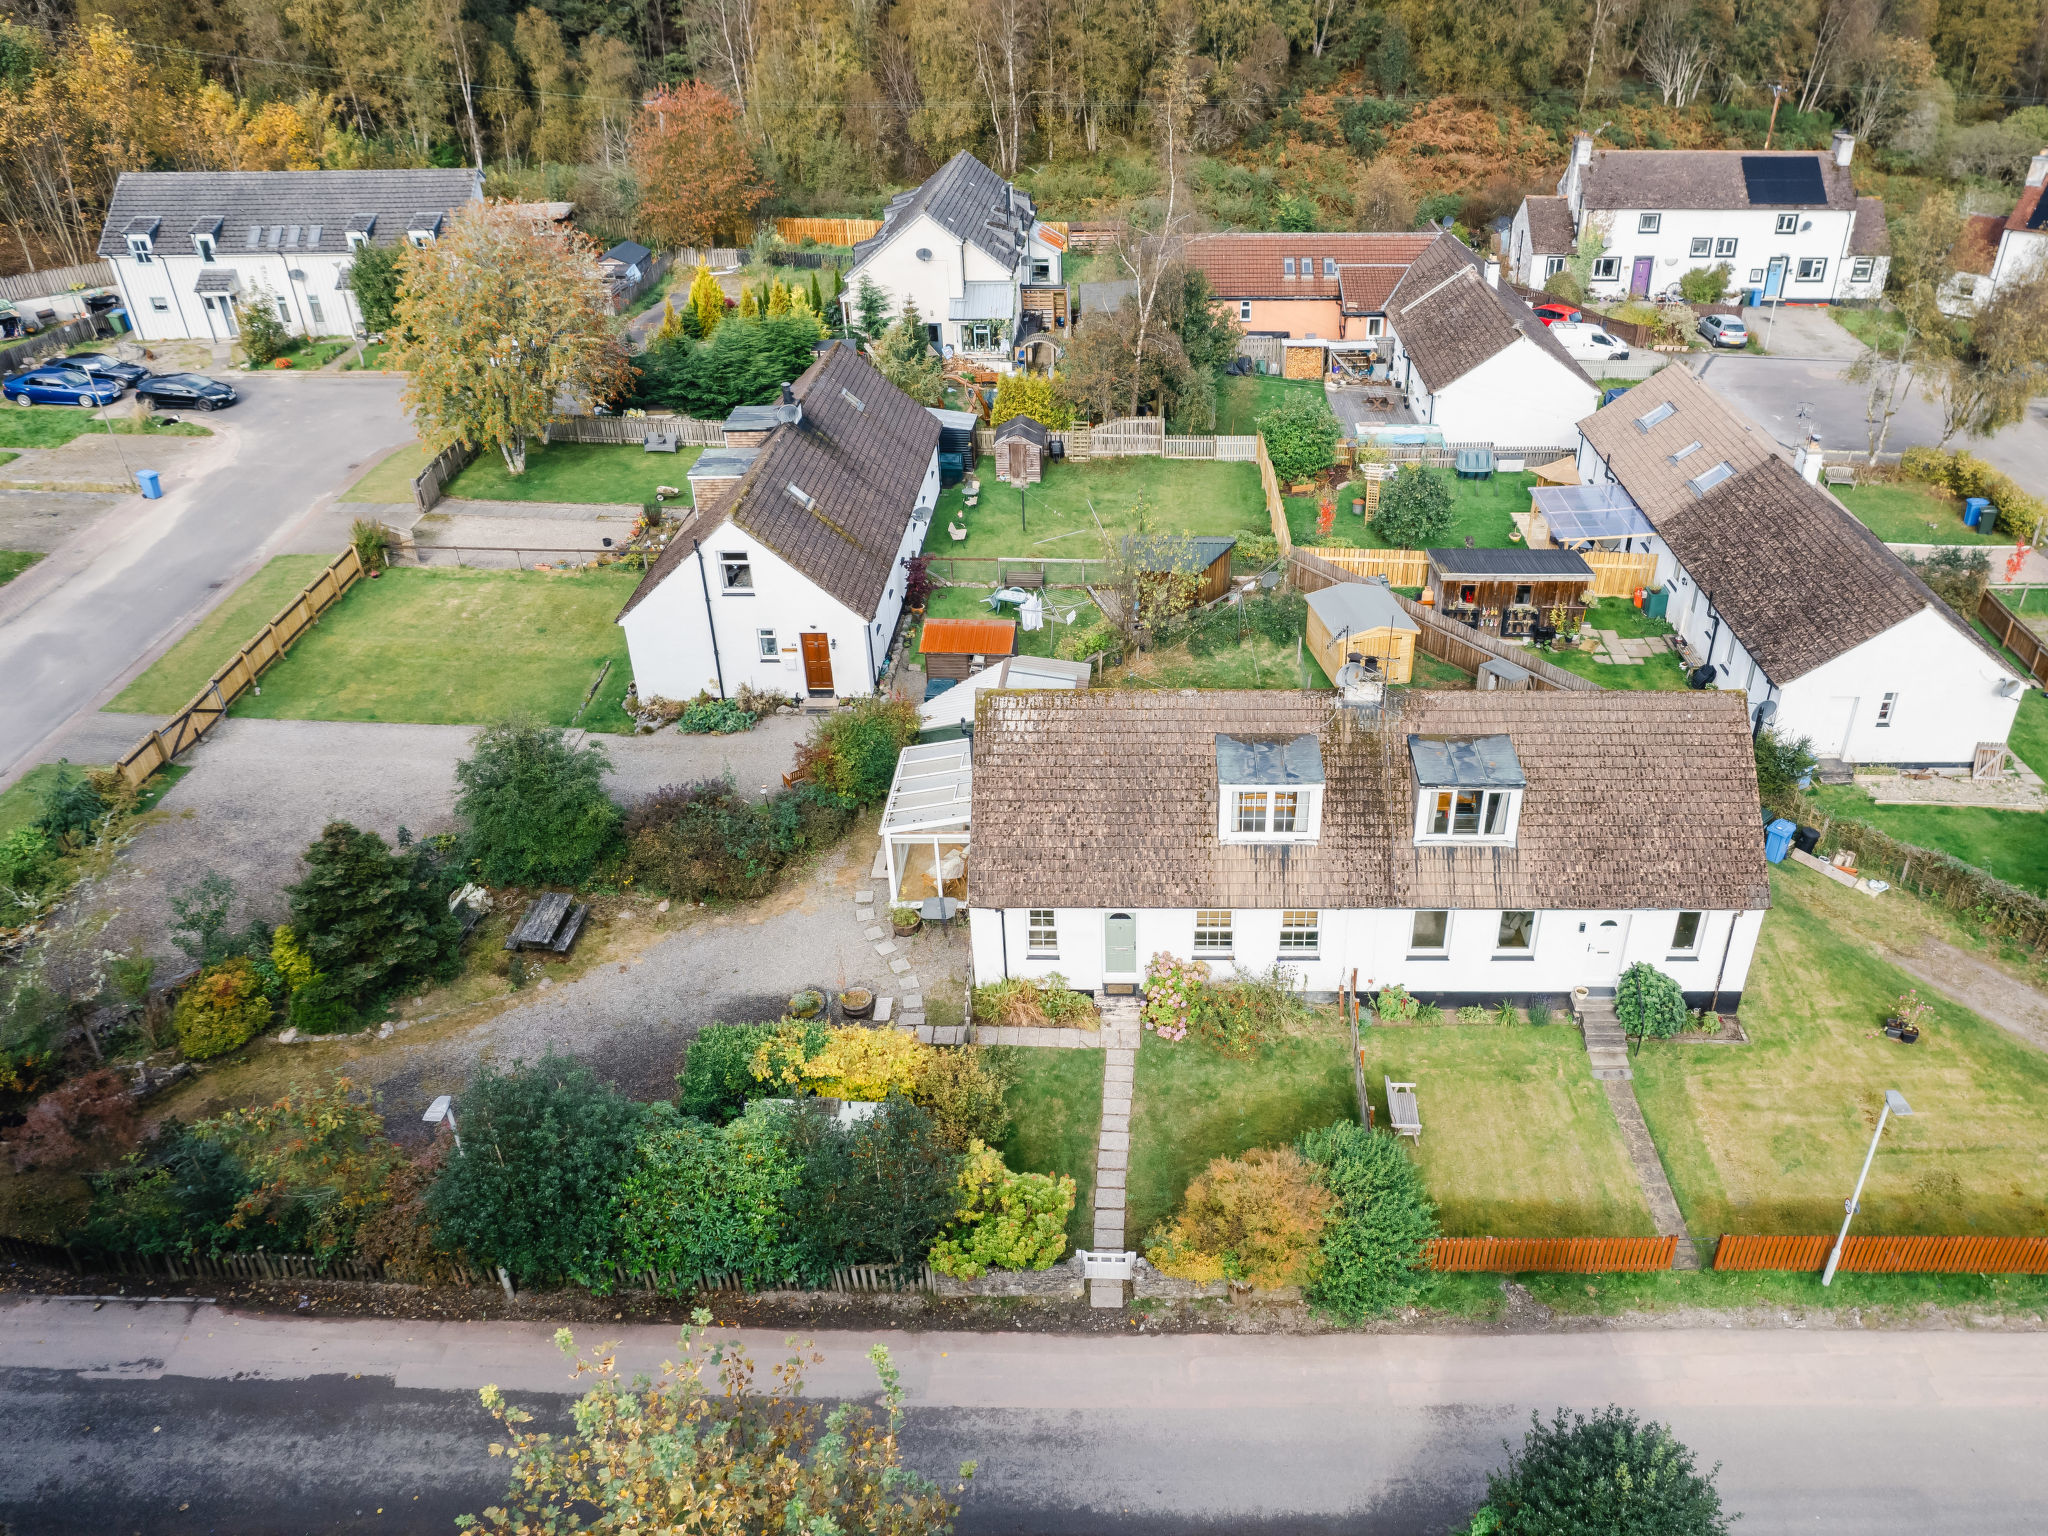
(1120, 947)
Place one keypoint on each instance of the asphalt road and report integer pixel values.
(139, 574)
(175, 1418)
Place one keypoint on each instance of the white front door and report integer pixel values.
(1832, 739)
(1606, 940)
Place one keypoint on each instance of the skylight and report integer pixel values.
(1689, 448)
(1651, 417)
(1707, 479)
(803, 498)
(851, 399)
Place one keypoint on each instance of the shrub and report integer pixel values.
(1781, 762)
(1608, 1473)
(1239, 1015)
(879, 1193)
(371, 541)
(1539, 1012)
(372, 916)
(1173, 989)
(1964, 475)
(30, 1014)
(1005, 1220)
(1705, 285)
(964, 1091)
(396, 1231)
(1649, 1003)
(199, 918)
(698, 1201)
(1030, 1003)
(222, 1010)
(1277, 616)
(73, 804)
(715, 717)
(264, 336)
(1958, 576)
(853, 751)
(534, 807)
(175, 1196)
(1395, 1002)
(868, 1065)
(704, 840)
(317, 1161)
(1375, 1245)
(1415, 510)
(1472, 1014)
(717, 1079)
(1254, 1220)
(289, 957)
(1035, 395)
(66, 1123)
(546, 1148)
(1078, 644)
(1301, 436)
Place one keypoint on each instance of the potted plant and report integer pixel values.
(905, 920)
(1904, 1025)
(807, 1004)
(856, 1003)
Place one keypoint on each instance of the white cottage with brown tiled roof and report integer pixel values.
(788, 575)
(1468, 846)
(1792, 602)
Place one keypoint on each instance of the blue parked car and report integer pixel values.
(60, 386)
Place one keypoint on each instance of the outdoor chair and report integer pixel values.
(662, 442)
(1404, 1112)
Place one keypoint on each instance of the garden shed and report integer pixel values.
(1510, 591)
(925, 821)
(955, 649)
(1364, 619)
(1020, 450)
(1206, 558)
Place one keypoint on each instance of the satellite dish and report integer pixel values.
(924, 254)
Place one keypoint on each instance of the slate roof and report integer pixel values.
(627, 253)
(1541, 564)
(967, 200)
(1027, 427)
(1696, 178)
(1870, 235)
(861, 467)
(1248, 266)
(1450, 319)
(331, 201)
(1550, 226)
(1635, 799)
(1799, 580)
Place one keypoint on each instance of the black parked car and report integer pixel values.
(185, 392)
(105, 366)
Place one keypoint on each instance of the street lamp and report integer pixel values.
(441, 1109)
(1894, 1104)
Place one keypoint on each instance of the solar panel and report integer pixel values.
(1792, 180)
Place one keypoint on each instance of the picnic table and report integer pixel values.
(1002, 595)
(1404, 1112)
(551, 922)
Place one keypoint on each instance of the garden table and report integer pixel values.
(939, 909)
(1002, 595)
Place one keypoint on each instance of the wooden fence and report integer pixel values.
(1887, 1255)
(52, 281)
(1270, 350)
(2014, 635)
(1618, 575)
(1228, 450)
(827, 231)
(1128, 437)
(428, 484)
(243, 668)
(1276, 509)
(691, 432)
(1552, 1255)
(1445, 455)
(625, 292)
(60, 338)
(994, 570)
(1401, 567)
(716, 257)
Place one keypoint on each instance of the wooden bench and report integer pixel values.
(551, 922)
(1839, 474)
(1021, 576)
(1404, 1113)
(662, 442)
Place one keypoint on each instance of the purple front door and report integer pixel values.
(1639, 282)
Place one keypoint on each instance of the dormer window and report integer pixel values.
(140, 248)
(1269, 789)
(422, 228)
(203, 244)
(358, 239)
(1467, 789)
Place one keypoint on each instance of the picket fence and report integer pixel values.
(52, 281)
(1551, 1255)
(1886, 1255)
(207, 710)
(691, 433)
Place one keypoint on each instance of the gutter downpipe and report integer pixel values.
(867, 638)
(710, 618)
(1721, 975)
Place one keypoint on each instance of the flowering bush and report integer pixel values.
(1173, 986)
(1006, 1220)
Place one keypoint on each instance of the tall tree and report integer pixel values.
(697, 176)
(498, 321)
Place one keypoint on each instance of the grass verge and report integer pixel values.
(596, 473)
(54, 426)
(1177, 496)
(390, 479)
(14, 561)
(1193, 1105)
(1055, 1101)
(1891, 1298)
(1518, 1139)
(182, 671)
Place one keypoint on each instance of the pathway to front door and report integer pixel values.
(1122, 1026)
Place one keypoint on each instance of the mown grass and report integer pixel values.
(1055, 1102)
(1768, 1137)
(1481, 510)
(2013, 845)
(601, 473)
(1255, 662)
(1193, 1105)
(182, 671)
(1242, 399)
(1083, 511)
(1910, 513)
(14, 561)
(52, 426)
(390, 479)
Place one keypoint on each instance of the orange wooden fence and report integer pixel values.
(827, 231)
(1888, 1255)
(1553, 1255)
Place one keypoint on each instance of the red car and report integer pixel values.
(1558, 314)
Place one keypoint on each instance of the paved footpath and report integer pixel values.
(176, 1418)
(1122, 1024)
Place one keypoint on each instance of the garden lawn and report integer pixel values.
(373, 358)
(1242, 399)
(2013, 845)
(182, 671)
(604, 473)
(389, 480)
(970, 603)
(1768, 1137)
(1480, 508)
(1191, 496)
(1193, 1105)
(459, 647)
(1251, 663)
(1055, 1105)
(1873, 327)
(1430, 672)
(14, 561)
(1910, 513)
(1662, 672)
(1517, 1138)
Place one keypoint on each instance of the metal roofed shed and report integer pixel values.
(1466, 762)
(1268, 760)
(925, 821)
(1364, 619)
(1584, 514)
(1497, 674)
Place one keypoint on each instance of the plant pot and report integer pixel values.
(1904, 1033)
(807, 1005)
(905, 930)
(857, 1003)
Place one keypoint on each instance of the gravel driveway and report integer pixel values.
(261, 790)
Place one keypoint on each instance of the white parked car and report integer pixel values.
(1590, 343)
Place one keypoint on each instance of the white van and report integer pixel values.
(1590, 343)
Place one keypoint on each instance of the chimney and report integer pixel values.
(1807, 459)
(1492, 265)
(788, 395)
(2037, 169)
(1844, 149)
(1582, 149)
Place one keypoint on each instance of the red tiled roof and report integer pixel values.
(1364, 286)
(1249, 266)
(2029, 196)
(968, 637)
(1977, 247)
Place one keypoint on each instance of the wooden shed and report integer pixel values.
(958, 648)
(1206, 557)
(1364, 619)
(1020, 451)
(1509, 591)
